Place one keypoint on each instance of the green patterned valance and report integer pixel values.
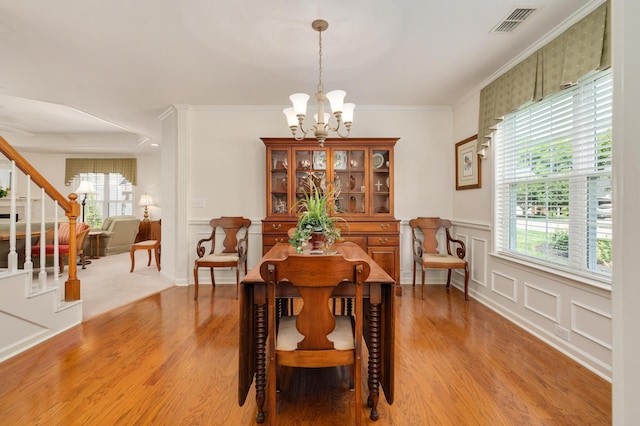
(127, 167)
(582, 48)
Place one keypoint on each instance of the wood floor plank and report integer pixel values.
(168, 360)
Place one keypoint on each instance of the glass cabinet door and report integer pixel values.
(278, 184)
(381, 181)
(349, 174)
(309, 163)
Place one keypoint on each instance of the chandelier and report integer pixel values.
(341, 111)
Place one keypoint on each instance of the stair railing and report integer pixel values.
(69, 205)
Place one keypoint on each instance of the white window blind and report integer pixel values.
(553, 201)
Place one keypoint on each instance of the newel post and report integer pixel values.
(72, 285)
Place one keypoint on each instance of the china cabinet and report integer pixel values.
(361, 167)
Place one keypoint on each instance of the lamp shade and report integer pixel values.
(86, 187)
(292, 118)
(145, 200)
(347, 113)
(336, 100)
(299, 101)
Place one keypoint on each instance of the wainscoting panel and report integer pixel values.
(459, 273)
(478, 263)
(505, 286)
(542, 302)
(592, 324)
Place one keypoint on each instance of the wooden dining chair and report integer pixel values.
(82, 230)
(426, 254)
(231, 254)
(315, 337)
(153, 244)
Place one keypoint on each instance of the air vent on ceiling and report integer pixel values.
(513, 20)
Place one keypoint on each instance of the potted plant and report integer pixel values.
(316, 219)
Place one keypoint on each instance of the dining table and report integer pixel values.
(21, 235)
(378, 326)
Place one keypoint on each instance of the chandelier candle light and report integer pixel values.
(343, 112)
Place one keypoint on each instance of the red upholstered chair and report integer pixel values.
(82, 230)
(426, 253)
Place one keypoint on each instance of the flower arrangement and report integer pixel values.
(316, 207)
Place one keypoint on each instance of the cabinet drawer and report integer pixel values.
(277, 227)
(383, 241)
(369, 227)
(273, 240)
(361, 241)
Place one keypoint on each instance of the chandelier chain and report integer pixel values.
(343, 112)
(320, 85)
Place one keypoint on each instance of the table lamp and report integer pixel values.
(85, 188)
(146, 201)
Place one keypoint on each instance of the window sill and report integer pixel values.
(566, 274)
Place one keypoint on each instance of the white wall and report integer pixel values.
(225, 168)
(472, 204)
(626, 229)
(149, 182)
(227, 157)
(173, 194)
(544, 303)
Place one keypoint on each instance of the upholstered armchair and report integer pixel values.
(118, 234)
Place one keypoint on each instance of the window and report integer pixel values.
(114, 197)
(553, 201)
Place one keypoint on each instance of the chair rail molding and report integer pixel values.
(472, 224)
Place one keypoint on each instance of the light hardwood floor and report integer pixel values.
(168, 360)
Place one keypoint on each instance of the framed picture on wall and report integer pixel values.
(468, 165)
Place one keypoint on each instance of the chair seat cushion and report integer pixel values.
(289, 336)
(444, 260)
(147, 243)
(62, 249)
(219, 258)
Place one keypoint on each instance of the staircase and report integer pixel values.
(32, 311)
(29, 314)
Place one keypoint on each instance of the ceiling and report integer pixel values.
(94, 76)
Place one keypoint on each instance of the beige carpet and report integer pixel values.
(107, 283)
